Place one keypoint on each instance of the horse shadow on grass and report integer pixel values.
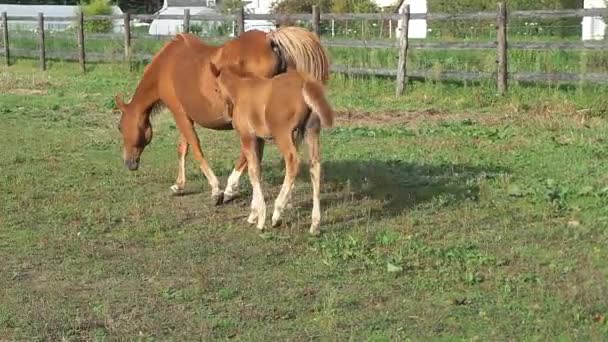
(392, 187)
(357, 191)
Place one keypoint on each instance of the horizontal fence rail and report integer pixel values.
(401, 73)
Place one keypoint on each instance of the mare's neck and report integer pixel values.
(146, 94)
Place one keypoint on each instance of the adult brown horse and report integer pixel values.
(179, 78)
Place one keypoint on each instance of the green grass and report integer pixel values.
(451, 213)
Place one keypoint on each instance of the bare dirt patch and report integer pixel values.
(24, 84)
(415, 118)
(22, 91)
(546, 117)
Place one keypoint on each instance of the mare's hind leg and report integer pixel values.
(258, 206)
(292, 165)
(312, 140)
(182, 151)
(186, 127)
(232, 186)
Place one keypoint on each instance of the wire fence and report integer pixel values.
(538, 45)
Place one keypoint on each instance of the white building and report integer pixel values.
(259, 7)
(177, 7)
(165, 27)
(417, 27)
(50, 11)
(594, 28)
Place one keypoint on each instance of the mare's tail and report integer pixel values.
(303, 50)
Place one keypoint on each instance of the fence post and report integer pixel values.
(403, 43)
(501, 48)
(127, 25)
(41, 41)
(240, 20)
(187, 20)
(316, 20)
(333, 28)
(81, 56)
(7, 54)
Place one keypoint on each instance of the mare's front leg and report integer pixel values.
(186, 128)
(182, 151)
(232, 186)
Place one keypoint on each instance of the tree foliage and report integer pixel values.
(354, 6)
(97, 7)
(230, 6)
(301, 6)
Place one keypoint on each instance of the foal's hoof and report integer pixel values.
(229, 197)
(315, 232)
(176, 190)
(277, 223)
(218, 198)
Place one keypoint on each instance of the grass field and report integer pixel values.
(451, 213)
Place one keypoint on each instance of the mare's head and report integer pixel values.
(136, 132)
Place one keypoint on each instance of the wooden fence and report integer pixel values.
(403, 44)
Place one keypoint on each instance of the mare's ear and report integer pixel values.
(214, 69)
(119, 102)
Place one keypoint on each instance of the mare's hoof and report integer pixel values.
(176, 191)
(218, 198)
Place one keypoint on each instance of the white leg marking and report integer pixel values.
(281, 201)
(232, 188)
(315, 177)
(178, 187)
(258, 207)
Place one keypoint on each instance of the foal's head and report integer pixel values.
(136, 133)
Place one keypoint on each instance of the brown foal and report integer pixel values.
(285, 108)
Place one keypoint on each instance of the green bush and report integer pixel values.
(97, 7)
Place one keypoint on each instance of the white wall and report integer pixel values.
(417, 27)
(594, 28)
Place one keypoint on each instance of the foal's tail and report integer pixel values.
(314, 96)
(303, 50)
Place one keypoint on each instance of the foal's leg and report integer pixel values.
(312, 140)
(186, 127)
(292, 165)
(258, 206)
(182, 151)
(232, 186)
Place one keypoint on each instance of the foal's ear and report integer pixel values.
(214, 69)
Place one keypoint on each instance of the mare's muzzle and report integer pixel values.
(132, 164)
